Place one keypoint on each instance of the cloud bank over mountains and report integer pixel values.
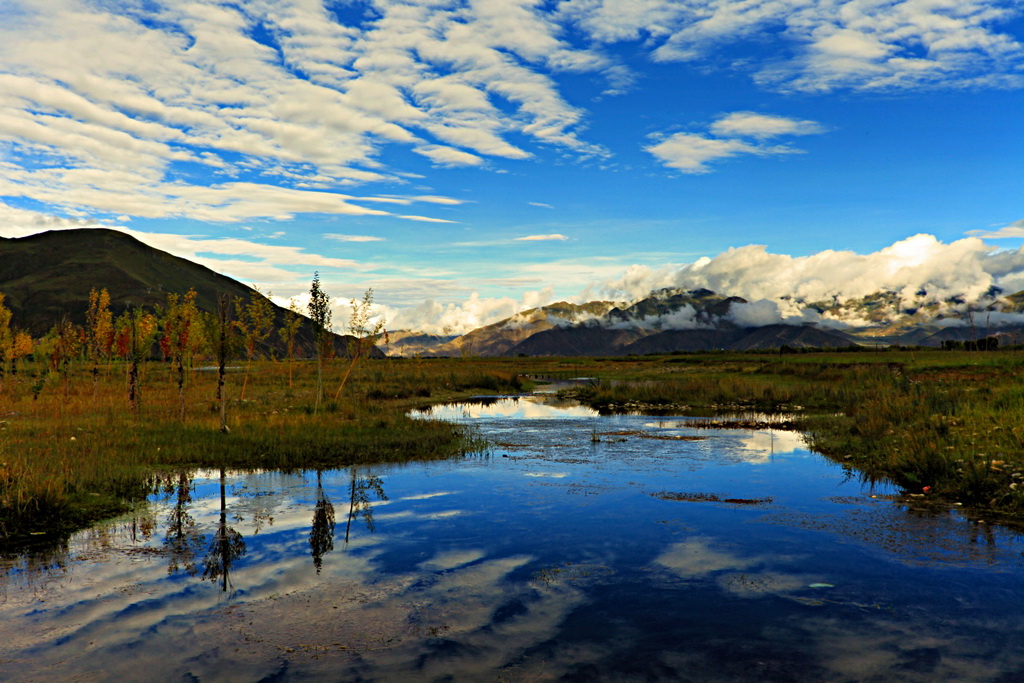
(955, 277)
(919, 270)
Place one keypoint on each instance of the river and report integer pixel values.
(581, 547)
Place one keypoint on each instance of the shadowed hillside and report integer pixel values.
(48, 276)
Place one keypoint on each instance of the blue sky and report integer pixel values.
(467, 159)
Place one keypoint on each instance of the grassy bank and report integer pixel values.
(71, 450)
(945, 425)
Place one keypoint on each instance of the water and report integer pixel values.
(581, 548)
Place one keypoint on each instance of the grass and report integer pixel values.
(946, 425)
(71, 450)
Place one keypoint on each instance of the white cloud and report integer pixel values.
(353, 238)
(1013, 230)
(541, 205)
(691, 152)
(434, 317)
(443, 155)
(542, 238)
(752, 124)
(861, 44)
(426, 219)
(773, 312)
(112, 107)
(684, 318)
(89, 113)
(777, 283)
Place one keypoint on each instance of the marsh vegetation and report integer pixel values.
(945, 425)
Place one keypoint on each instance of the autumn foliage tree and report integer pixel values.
(288, 332)
(182, 337)
(364, 335)
(99, 329)
(6, 341)
(219, 329)
(62, 344)
(255, 320)
(135, 330)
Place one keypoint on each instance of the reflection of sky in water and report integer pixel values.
(640, 554)
(525, 407)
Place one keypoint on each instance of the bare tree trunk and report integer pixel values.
(351, 504)
(319, 382)
(352, 364)
(222, 356)
(133, 385)
(245, 381)
(181, 390)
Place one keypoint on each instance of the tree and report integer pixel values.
(320, 314)
(364, 337)
(360, 505)
(23, 346)
(6, 341)
(183, 540)
(182, 337)
(60, 345)
(134, 340)
(226, 547)
(222, 347)
(288, 332)
(321, 534)
(254, 320)
(99, 330)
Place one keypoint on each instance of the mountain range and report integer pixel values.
(48, 276)
(673, 320)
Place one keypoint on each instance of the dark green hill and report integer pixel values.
(48, 275)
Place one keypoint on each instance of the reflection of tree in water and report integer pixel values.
(183, 540)
(226, 547)
(359, 505)
(321, 536)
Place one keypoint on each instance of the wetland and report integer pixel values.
(685, 529)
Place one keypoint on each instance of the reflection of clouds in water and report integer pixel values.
(451, 559)
(466, 624)
(549, 475)
(396, 516)
(700, 557)
(121, 595)
(696, 557)
(527, 407)
(425, 496)
(877, 647)
(760, 446)
(760, 584)
(443, 514)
